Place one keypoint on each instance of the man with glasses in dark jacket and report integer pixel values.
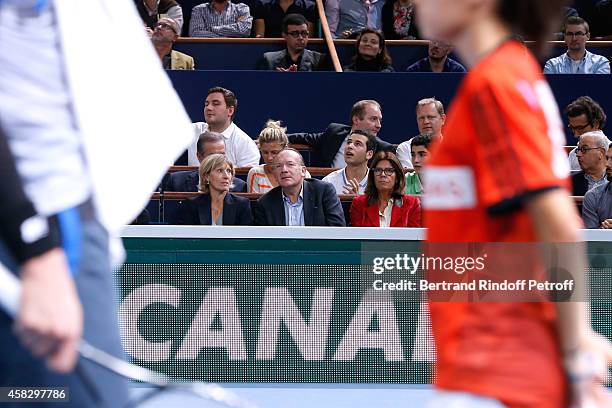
(295, 57)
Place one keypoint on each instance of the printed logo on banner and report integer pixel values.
(268, 323)
(449, 188)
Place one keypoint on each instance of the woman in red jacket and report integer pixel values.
(384, 203)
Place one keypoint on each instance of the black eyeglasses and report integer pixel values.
(389, 171)
(576, 34)
(583, 149)
(579, 128)
(164, 26)
(297, 34)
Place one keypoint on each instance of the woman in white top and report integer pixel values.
(272, 139)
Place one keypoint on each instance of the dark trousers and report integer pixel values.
(89, 385)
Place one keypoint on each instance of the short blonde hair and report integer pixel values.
(438, 105)
(210, 163)
(273, 133)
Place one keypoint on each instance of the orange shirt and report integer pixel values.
(503, 141)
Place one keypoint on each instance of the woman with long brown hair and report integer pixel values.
(384, 203)
(371, 53)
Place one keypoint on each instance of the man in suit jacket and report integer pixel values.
(297, 201)
(295, 57)
(164, 35)
(330, 144)
(208, 143)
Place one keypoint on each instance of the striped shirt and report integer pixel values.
(234, 21)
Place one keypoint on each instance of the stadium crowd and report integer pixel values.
(370, 23)
(353, 162)
(359, 179)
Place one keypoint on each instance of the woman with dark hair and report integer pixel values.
(216, 206)
(384, 203)
(371, 53)
(500, 175)
(399, 20)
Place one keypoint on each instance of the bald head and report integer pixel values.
(591, 153)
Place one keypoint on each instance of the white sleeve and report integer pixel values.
(198, 129)
(176, 13)
(403, 154)
(573, 161)
(244, 152)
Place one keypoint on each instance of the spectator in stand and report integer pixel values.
(597, 204)
(437, 60)
(220, 18)
(269, 16)
(298, 201)
(152, 10)
(219, 112)
(216, 205)
(577, 60)
(371, 54)
(164, 35)
(591, 152)
(271, 141)
(329, 145)
(209, 143)
(584, 115)
(295, 57)
(347, 18)
(430, 119)
(353, 178)
(384, 203)
(598, 13)
(419, 151)
(398, 20)
(604, 12)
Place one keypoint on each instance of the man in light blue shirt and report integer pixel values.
(348, 17)
(298, 201)
(577, 60)
(294, 211)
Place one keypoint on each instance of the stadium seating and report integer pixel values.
(309, 101)
(243, 53)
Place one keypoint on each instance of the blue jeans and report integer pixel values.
(96, 387)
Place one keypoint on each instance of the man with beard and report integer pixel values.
(295, 57)
(220, 18)
(437, 60)
(597, 205)
(583, 115)
(164, 35)
(577, 60)
(591, 154)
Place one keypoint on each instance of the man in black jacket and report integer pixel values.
(297, 201)
(330, 144)
(187, 181)
(295, 57)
